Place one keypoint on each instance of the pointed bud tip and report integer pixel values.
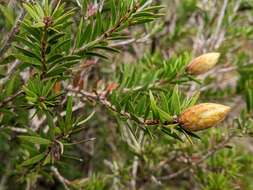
(203, 63)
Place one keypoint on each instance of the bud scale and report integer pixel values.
(203, 63)
(203, 116)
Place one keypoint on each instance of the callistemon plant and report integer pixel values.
(126, 94)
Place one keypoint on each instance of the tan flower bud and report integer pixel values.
(203, 63)
(202, 116)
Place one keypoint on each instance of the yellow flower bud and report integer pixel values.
(203, 116)
(203, 63)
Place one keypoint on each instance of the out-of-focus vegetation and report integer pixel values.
(91, 94)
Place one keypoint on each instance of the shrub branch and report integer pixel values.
(208, 154)
(14, 31)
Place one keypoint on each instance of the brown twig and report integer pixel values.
(15, 129)
(10, 98)
(14, 31)
(109, 32)
(103, 101)
(217, 33)
(57, 174)
(209, 153)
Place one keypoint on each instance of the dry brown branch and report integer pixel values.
(14, 31)
(103, 101)
(209, 153)
(10, 98)
(61, 179)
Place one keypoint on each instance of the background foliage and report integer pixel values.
(87, 88)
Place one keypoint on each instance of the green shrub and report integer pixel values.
(108, 94)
